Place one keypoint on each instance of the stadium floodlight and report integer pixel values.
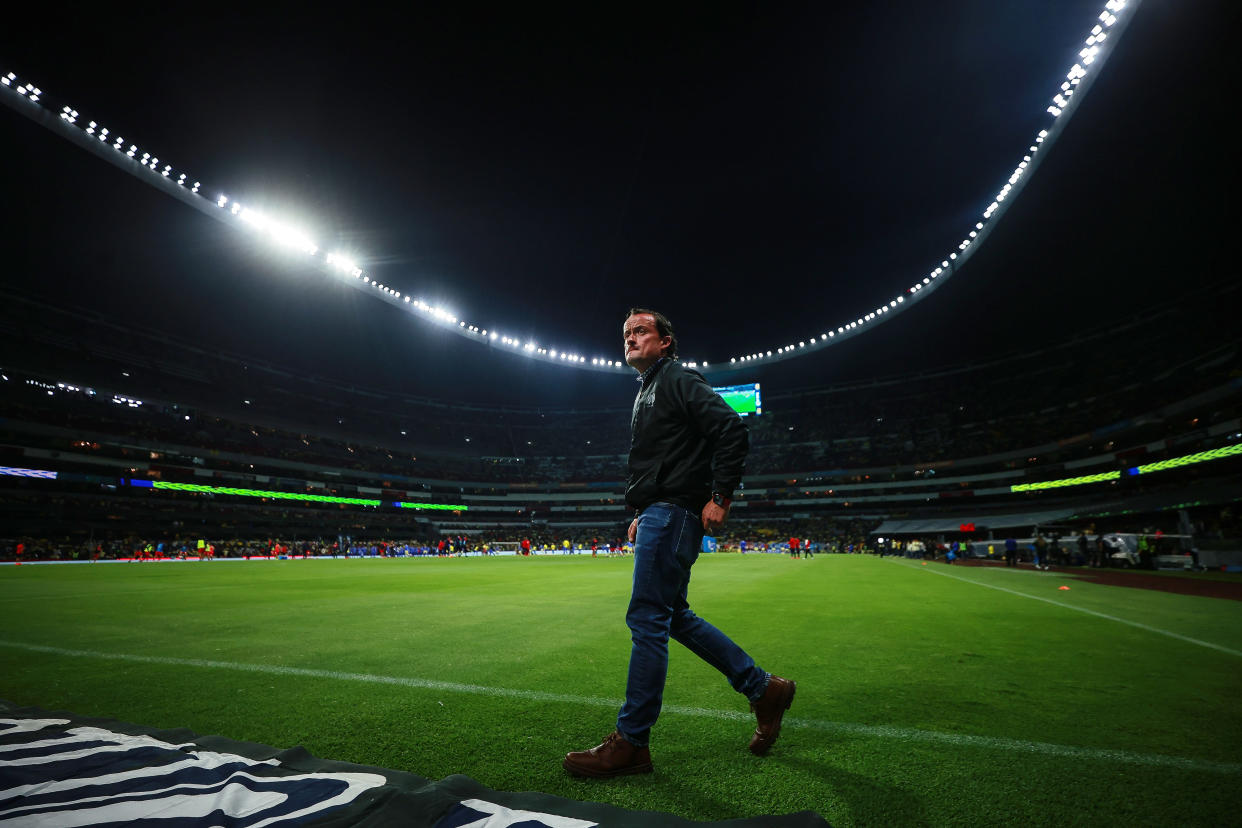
(291, 237)
(345, 264)
(251, 217)
(1095, 49)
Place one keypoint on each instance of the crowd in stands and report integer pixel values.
(1037, 396)
(1146, 382)
(910, 423)
(1058, 547)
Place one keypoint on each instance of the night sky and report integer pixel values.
(760, 172)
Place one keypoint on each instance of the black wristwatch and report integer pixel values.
(721, 500)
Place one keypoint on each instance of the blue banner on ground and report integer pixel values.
(61, 770)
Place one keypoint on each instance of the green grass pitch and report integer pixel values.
(922, 699)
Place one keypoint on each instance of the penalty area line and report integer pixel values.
(899, 734)
(1097, 614)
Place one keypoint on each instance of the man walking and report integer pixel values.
(687, 454)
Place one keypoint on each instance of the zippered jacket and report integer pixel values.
(686, 442)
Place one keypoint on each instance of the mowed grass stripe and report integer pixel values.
(845, 728)
(1106, 616)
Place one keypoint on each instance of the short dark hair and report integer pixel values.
(663, 328)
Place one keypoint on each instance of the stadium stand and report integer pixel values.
(104, 406)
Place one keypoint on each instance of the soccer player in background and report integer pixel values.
(687, 454)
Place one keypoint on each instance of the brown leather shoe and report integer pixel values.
(615, 757)
(769, 710)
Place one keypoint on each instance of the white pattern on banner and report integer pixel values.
(475, 813)
(66, 784)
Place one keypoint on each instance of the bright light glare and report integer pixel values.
(1090, 54)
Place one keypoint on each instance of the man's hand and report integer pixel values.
(714, 516)
(633, 533)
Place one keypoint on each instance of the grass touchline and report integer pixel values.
(879, 731)
(1135, 624)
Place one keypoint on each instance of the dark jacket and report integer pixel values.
(686, 442)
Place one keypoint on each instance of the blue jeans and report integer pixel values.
(666, 546)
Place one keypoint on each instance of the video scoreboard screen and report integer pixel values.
(744, 399)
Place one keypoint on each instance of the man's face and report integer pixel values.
(642, 341)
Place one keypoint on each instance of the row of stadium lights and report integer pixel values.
(128, 402)
(1073, 78)
(70, 116)
(60, 386)
(292, 237)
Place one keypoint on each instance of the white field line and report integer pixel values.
(1125, 621)
(898, 734)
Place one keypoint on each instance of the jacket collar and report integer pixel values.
(650, 372)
